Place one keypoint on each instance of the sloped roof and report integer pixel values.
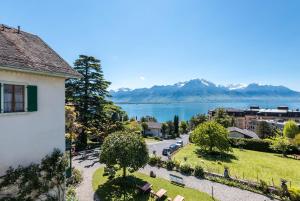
(23, 51)
(154, 125)
(244, 132)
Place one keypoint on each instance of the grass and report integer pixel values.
(246, 164)
(117, 189)
(151, 139)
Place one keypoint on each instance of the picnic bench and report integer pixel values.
(179, 198)
(159, 194)
(176, 179)
(146, 187)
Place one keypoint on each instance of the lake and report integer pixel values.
(166, 111)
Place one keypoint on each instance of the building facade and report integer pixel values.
(32, 98)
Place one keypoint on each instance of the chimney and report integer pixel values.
(19, 29)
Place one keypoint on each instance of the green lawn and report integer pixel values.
(251, 164)
(111, 190)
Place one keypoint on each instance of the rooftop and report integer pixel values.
(244, 132)
(22, 51)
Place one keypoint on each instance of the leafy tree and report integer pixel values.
(145, 127)
(148, 119)
(264, 130)
(196, 120)
(280, 143)
(291, 129)
(88, 94)
(164, 129)
(212, 136)
(222, 118)
(171, 129)
(176, 125)
(183, 127)
(297, 140)
(125, 117)
(133, 127)
(73, 128)
(128, 150)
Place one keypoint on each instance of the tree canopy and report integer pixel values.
(128, 150)
(176, 125)
(196, 120)
(291, 129)
(211, 136)
(183, 128)
(223, 118)
(264, 130)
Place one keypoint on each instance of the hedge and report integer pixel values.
(258, 145)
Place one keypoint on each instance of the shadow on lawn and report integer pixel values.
(216, 156)
(120, 189)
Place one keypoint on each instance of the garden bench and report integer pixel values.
(145, 187)
(176, 179)
(179, 198)
(159, 194)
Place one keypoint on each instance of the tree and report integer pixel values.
(297, 140)
(164, 129)
(280, 143)
(88, 94)
(145, 127)
(211, 136)
(291, 129)
(183, 127)
(148, 119)
(222, 118)
(171, 129)
(128, 150)
(264, 130)
(196, 120)
(176, 125)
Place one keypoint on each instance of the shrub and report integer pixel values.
(185, 168)
(263, 186)
(157, 138)
(177, 165)
(199, 171)
(155, 160)
(294, 194)
(76, 178)
(71, 194)
(252, 144)
(170, 164)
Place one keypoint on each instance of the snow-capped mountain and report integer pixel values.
(202, 90)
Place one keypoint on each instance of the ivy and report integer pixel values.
(44, 181)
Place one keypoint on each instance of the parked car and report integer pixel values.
(166, 152)
(180, 143)
(173, 147)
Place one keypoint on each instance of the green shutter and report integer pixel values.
(32, 104)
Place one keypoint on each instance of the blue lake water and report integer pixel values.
(165, 112)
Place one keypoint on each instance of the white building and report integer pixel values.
(154, 129)
(32, 98)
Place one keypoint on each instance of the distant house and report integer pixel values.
(154, 129)
(32, 98)
(235, 132)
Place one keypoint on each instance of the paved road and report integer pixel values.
(159, 146)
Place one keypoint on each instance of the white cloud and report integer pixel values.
(142, 78)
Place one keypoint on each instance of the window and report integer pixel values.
(14, 98)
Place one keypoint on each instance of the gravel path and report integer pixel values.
(221, 192)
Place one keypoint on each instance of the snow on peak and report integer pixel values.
(236, 86)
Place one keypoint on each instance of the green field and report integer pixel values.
(107, 190)
(246, 164)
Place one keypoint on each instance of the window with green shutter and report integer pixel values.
(32, 103)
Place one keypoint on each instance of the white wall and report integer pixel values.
(27, 137)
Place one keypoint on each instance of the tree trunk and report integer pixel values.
(124, 172)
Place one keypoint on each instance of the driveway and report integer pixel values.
(159, 146)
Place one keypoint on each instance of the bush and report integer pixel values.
(177, 165)
(199, 172)
(71, 194)
(155, 160)
(170, 164)
(294, 194)
(263, 186)
(76, 178)
(185, 168)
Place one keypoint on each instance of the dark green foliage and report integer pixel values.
(148, 119)
(211, 136)
(264, 130)
(196, 120)
(251, 144)
(186, 168)
(145, 127)
(176, 125)
(183, 128)
(39, 178)
(128, 150)
(155, 161)
(223, 118)
(164, 129)
(89, 95)
(199, 171)
(171, 132)
(170, 164)
(263, 186)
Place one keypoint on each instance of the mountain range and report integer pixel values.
(199, 90)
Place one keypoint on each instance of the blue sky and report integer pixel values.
(143, 43)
